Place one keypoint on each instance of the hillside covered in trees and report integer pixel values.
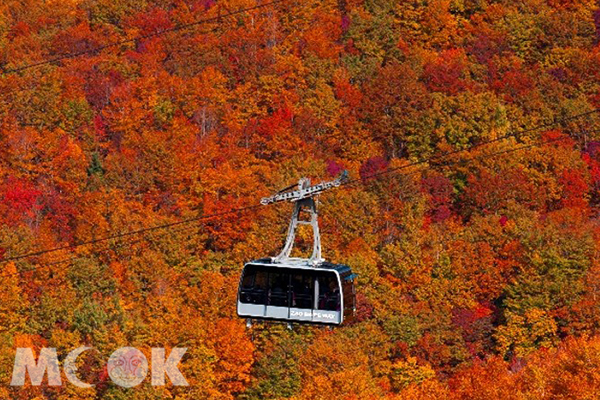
(469, 130)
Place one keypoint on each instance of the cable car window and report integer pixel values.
(278, 289)
(329, 292)
(254, 286)
(302, 290)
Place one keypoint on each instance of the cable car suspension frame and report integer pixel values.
(304, 199)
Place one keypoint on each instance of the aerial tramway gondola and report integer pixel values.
(308, 290)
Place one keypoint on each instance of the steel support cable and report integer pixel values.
(480, 144)
(216, 19)
(247, 208)
(393, 171)
(96, 251)
(130, 233)
(452, 162)
(221, 24)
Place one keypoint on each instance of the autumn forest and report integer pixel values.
(137, 138)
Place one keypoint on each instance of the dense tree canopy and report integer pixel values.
(479, 275)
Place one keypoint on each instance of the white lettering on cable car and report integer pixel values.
(324, 315)
(306, 314)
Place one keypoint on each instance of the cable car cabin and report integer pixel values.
(322, 294)
(290, 289)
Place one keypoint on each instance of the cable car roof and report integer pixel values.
(301, 263)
